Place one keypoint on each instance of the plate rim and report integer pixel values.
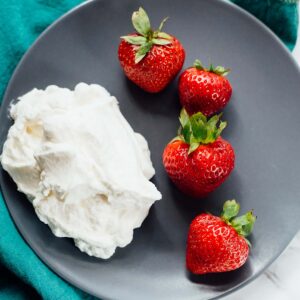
(68, 14)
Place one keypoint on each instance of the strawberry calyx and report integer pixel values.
(146, 37)
(242, 224)
(197, 129)
(219, 70)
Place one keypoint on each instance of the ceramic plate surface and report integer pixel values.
(263, 126)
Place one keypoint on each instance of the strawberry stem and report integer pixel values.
(197, 129)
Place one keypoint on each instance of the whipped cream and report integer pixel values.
(84, 169)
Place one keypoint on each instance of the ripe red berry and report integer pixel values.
(198, 160)
(204, 90)
(219, 244)
(151, 59)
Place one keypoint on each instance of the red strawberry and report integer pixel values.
(204, 90)
(151, 59)
(198, 160)
(218, 244)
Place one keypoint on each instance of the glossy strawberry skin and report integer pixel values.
(203, 91)
(213, 246)
(201, 172)
(154, 72)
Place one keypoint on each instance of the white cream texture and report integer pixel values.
(81, 165)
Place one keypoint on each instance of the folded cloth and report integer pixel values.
(23, 275)
(280, 15)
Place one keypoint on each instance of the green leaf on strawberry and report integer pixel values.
(186, 132)
(161, 25)
(219, 70)
(242, 224)
(147, 37)
(183, 118)
(198, 64)
(141, 22)
(162, 35)
(135, 40)
(193, 147)
(230, 210)
(158, 41)
(142, 51)
(197, 129)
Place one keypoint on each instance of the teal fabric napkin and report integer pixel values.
(23, 275)
(280, 15)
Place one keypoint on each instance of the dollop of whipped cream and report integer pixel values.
(84, 169)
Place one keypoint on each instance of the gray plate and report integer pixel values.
(264, 123)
